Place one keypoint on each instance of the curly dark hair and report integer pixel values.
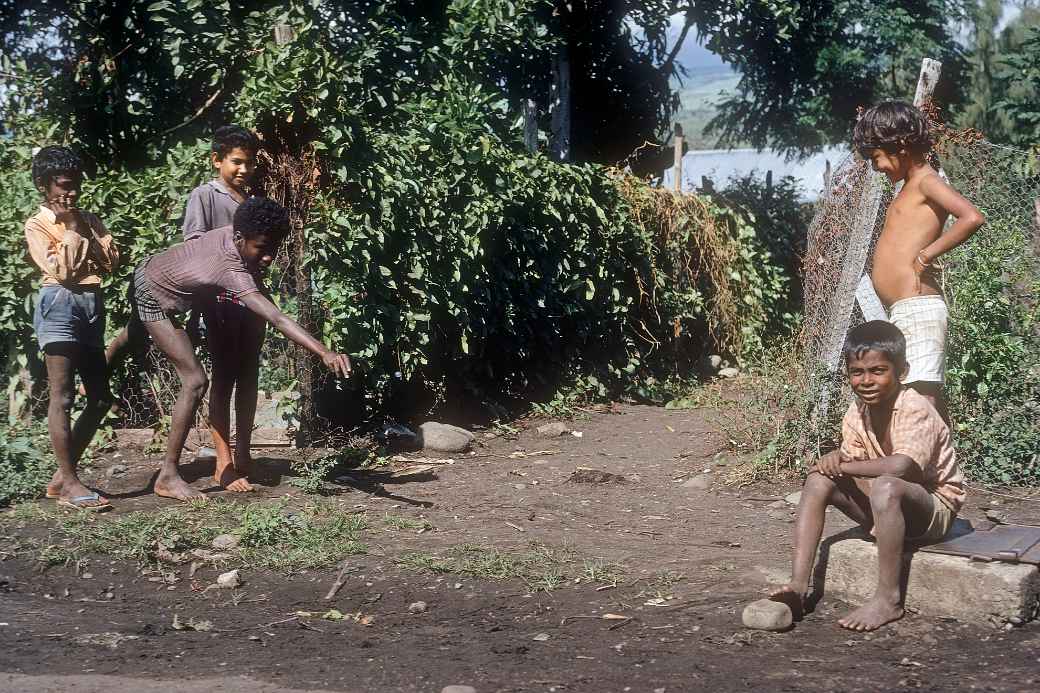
(880, 336)
(227, 137)
(892, 126)
(53, 161)
(261, 216)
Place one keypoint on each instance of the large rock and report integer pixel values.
(765, 614)
(938, 585)
(444, 437)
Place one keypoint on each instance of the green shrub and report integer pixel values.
(24, 469)
(993, 363)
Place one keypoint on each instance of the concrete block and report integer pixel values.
(937, 585)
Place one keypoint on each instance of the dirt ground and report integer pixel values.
(690, 560)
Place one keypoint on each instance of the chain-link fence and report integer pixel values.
(991, 284)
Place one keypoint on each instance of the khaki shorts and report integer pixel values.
(942, 518)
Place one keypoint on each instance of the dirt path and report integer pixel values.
(687, 559)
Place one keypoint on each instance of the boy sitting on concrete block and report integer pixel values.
(895, 474)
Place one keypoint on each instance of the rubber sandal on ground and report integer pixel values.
(80, 503)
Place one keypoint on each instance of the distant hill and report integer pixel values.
(700, 92)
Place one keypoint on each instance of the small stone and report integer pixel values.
(205, 453)
(729, 372)
(229, 580)
(458, 689)
(996, 516)
(117, 470)
(541, 637)
(444, 437)
(765, 614)
(87, 576)
(778, 504)
(701, 482)
(715, 361)
(552, 430)
(417, 608)
(224, 542)
(794, 498)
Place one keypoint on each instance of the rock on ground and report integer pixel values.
(458, 689)
(225, 542)
(587, 475)
(230, 579)
(444, 437)
(701, 482)
(553, 430)
(794, 498)
(765, 614)
(417, 608)
(729, 372)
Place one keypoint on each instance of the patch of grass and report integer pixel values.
(568, 402)
(540, 567)
(271, 535)
(406, 523)
(24, 468)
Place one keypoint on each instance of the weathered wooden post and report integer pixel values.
(560, 108)
(530, 113)
(678, 144)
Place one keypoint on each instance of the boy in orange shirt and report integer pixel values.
(73, 250)
(895, 474)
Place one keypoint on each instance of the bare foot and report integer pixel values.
(176, 488)
(54, 485)
(793, 597)
(872, 615)
(230, 479)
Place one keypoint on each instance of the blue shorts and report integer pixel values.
(74, 315)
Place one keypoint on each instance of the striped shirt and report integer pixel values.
(915, 430)
(193, 272)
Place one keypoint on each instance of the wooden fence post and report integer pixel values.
(560, 109)
(530, 112)
(678, 144)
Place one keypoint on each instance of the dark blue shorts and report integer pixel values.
(74, 315)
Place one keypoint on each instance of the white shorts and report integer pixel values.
(923, 321)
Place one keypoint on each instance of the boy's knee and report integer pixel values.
(64, 400)
(885, 490)
(196, 385)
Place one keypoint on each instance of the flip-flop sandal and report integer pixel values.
(79, 503)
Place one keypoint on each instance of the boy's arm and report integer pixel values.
(106, 254)
(969, 218)
(898, 465)
(256, 302)
(59, 260)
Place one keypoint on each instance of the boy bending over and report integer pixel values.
(73, 250)
(894, 137)
(895, 474)
(191, 274)
(235, 334)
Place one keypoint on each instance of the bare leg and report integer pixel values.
(62, 359)
(935, 394)
(817, 494)
(225, 351)
(174, 342)
(246, 388)
(898, 506)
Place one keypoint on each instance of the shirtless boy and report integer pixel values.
(73, 250)
(894, 137)
(191, 274)
(234, 333)
(895, 474)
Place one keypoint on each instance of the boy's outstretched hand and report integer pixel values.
(337, 363)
